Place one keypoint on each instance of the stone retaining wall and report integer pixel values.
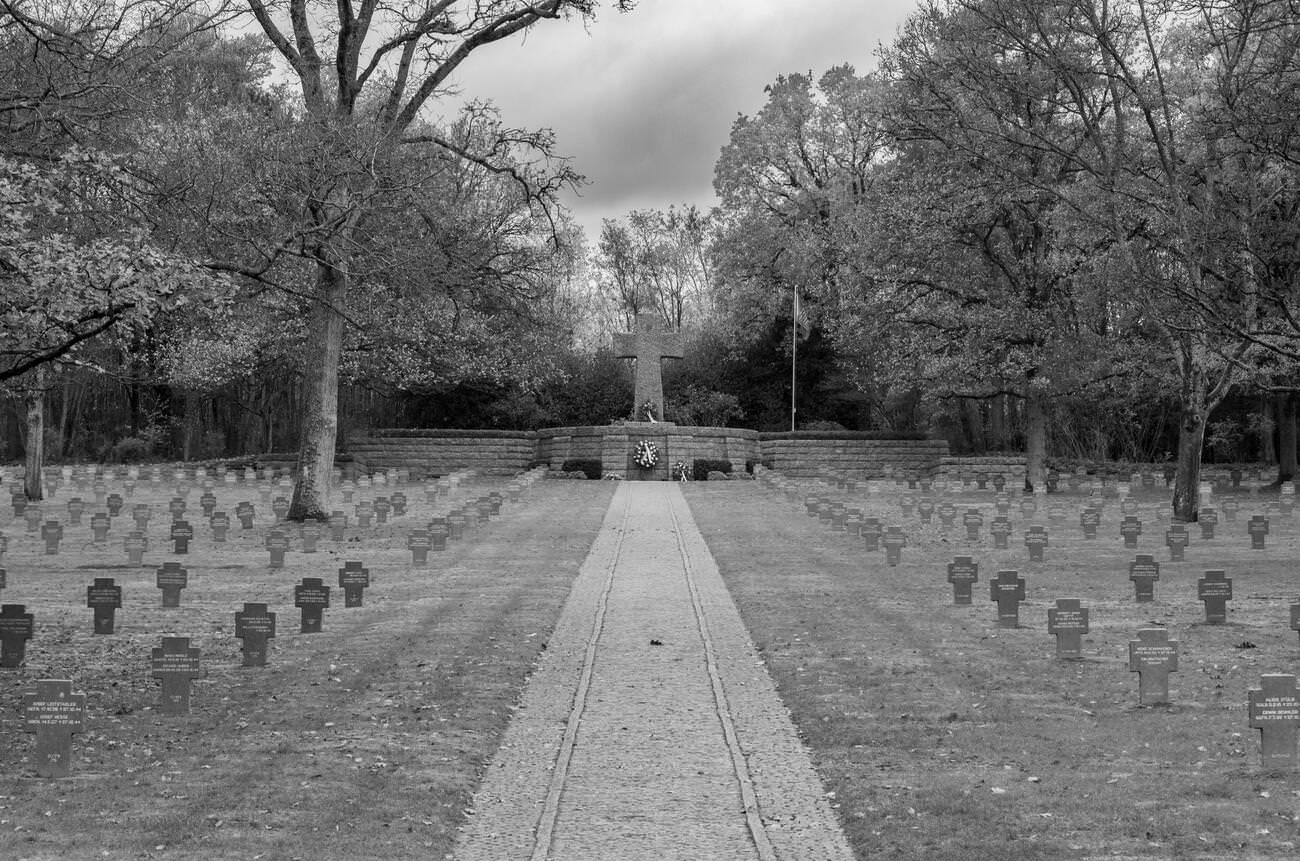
(439, 452)
(802, 453)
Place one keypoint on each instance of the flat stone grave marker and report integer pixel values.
(1153, 656)
(104, 597)
(171, 578)
(1274, 710)
(925, 509)
(54, 713)
(1257, 528)
(1036, 542)
(311, 596)
(947, 514)
(973, 519)
(353, 580)
(1001, 531)
(177, 508)
(16, 628)
(1068, 620)
(364, 511)
(100, 524)
(208, 502)
(338, 524)
(1130, 529)
(1176, 540)
(1089, 520)
(277, 542)
(398, 501)
(181, 534)
(456, 521)
(253, 627)
(1144, 571)
(52, 534)
(141, 514)
(1215, 591)
(419, 543)
(32, 517)
(244, 513)
(1208, 520)
(894, 541)
(310, 533)
(76, 507)
(907, 502)
(962, 573)
(135, 545)
(220, 523)
(176, 664)
(1007, 590)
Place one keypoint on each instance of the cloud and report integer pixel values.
(644, 101)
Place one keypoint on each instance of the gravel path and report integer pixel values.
(650, 728)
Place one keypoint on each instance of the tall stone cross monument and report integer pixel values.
(650, 345)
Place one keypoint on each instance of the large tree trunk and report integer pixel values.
(33, 486)
(1187, 481)
(1267, 446)
(997, 423)
(319, 429)
(1286, 438)
(1035, 441)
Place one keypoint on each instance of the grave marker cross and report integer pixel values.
(16, 626)
(1215, 590)
(649, 346)
(176, 664)
(1153, 656)
(1008, 590)
(1068, 621)
(1275, 712)
(54, 713)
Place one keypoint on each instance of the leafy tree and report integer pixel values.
(360, 106)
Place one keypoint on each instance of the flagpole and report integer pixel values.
(794, 356)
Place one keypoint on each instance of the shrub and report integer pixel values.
(587, 466)
(702, 466)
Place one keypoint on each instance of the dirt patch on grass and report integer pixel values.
(362, 741)
(942, 736)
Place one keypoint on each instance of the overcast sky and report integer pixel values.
(644, 101)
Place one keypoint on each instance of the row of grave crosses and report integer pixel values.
(1274, 709)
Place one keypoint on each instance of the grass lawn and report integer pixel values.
(940, 735)
(362, 741)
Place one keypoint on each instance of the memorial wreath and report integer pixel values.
(646, 454)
